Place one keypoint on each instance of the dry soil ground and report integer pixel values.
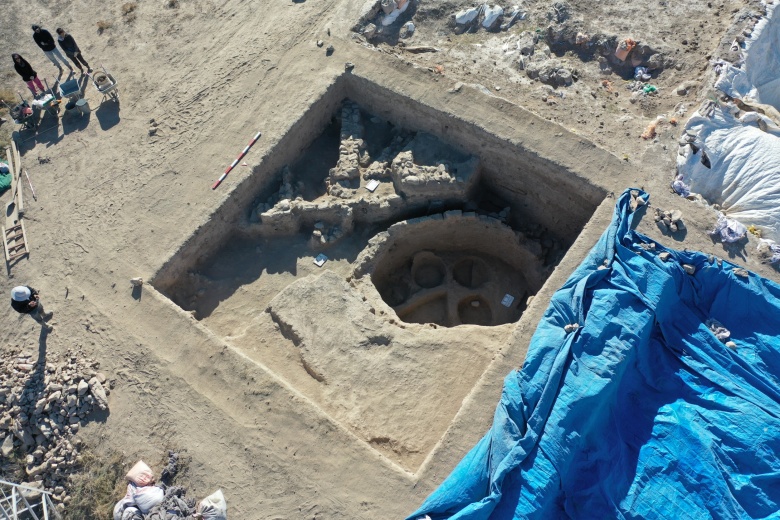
(120, 195)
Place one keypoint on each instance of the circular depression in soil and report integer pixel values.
(455, 269)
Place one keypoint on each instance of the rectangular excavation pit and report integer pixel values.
(327, 331)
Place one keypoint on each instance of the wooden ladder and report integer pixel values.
(14, 235)
(15, 242)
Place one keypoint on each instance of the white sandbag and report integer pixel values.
(145, 497)
(140, 474)
(213, 507)
(743, 176)
(467, 15)
(125, 510)
(492, 14)
(120, 507)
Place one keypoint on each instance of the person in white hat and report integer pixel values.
(26, 300)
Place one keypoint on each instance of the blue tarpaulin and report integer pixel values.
(637, 409)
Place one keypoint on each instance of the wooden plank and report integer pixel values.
(5, 247)
(11, 155)
(18, 179)
(24, 237)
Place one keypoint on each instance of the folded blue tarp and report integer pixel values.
(641, 411)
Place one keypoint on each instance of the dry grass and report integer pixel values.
(97, 487)
(12, 468)
(103, 25)
(7, 97)
(172, 4)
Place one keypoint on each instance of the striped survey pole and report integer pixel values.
(234, 163)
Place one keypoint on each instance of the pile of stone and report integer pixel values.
(323, 234)
(42, 406)
(669, 221)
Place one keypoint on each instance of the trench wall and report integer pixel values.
(540, 189)
(228, 218)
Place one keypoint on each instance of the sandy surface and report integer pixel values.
(116, 201)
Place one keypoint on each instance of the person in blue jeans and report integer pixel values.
(45, 41)
(26, 300)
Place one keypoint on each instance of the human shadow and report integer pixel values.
(107, 114)
(35, 385)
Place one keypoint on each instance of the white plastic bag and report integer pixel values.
(125, 510)
(729, 229)
(213, 507)
(146, 497)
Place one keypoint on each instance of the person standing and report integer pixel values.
(72, 51)
(26, 300)
(45, 41)
(27, 73)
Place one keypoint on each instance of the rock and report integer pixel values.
(689, 268)
(731, 345)
(739, 271)
(683, 88)
(525, 44)
(664, 256)
(99, 393)
(83, 387)
(7, 448)
(136, 282)
(348, 66)
(320, 43)
(571, 327)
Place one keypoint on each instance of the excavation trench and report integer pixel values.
(424, 218)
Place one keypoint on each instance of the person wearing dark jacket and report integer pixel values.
(26, 300)
(72, 51)
(27, 73)
(45, 41)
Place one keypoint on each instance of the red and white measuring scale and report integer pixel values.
(234, 163)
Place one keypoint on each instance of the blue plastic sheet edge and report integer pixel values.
(627, 405)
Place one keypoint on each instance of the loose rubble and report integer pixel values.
(42, 406)
(669, 221)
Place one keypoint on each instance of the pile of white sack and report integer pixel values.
(730, 151)
(147, 501)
